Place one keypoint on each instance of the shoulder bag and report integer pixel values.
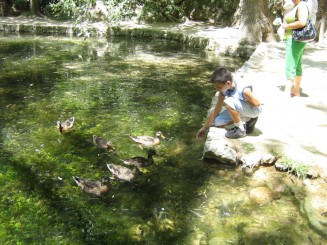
(305, 34)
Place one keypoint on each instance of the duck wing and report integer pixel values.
(143, 139)
(86, 183)
(66, 125)
(121, 172)
(102, 143)
(69, 123)
(135, 161)
(91, 186)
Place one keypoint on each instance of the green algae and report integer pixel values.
(115, 88)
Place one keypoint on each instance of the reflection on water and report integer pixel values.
(115, 88)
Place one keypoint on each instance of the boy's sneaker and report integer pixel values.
(249, 125)
(235, 133)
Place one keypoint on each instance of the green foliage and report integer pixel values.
(89, 10)
(154, 11)
(221, 11)
(113, 90)
(162, 10)
(21, 4)
(69, 9)
(299, 169)
(276, 7)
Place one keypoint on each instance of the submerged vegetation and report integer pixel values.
(299, 169)
(113, 89)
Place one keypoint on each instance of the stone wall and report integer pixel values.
(219, 40)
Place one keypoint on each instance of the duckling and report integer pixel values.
(66, 125)
(148, 141)
(141, 161)
(123, 173)
(102, 143)
(93, 186)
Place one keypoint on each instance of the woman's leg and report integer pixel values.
(298, 49)
(290, 67)
(300, 46)
(296, 87)
(294, 53)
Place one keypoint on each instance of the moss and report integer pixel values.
(113, 89)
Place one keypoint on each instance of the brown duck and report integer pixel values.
(148, 141)
(93, 186)
(102, 143)
(123, 173)
(66, 125)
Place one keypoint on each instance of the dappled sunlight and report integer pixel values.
(116, 89)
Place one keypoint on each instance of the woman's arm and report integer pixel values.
(302, 18)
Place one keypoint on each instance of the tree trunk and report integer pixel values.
(323, 22)
(35, 8)
(254, 21)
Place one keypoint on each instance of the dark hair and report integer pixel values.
(221, 75)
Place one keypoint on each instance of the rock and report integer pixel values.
(261, 195)
(282, 167)
(247, 171)
(315, 205)
(251, 160)
(268, 159)
(257, 159)
(218, 147)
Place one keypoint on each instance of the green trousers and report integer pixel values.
(293, 56)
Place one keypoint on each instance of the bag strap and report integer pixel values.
(309, 14)
(298, 10)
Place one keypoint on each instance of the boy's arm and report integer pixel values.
(250, 98)
(211, 118)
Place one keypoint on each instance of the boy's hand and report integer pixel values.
(201, 134)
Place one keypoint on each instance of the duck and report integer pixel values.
(123, 173)
(66, 125)
(139, 161)
(148, 141)
(102, 143)
(95, 187)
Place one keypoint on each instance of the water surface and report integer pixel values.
(114, 88)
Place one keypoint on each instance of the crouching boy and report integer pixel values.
(236, 108)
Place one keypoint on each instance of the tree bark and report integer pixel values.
(35, 8)
(323, 22)
(255, 21)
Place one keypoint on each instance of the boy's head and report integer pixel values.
(221, 78)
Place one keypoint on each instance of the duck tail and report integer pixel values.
(134, 138)
(77, 179)
(109, 166)
(59, 126)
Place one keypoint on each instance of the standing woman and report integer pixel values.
(294, 19)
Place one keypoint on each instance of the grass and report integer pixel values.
(297, 168)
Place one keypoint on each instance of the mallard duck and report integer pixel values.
(123, 173)
(102, 143)
(66, 125)
(141, 161)
(93, 186)
(148, 141)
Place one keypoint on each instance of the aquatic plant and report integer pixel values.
(299, 169)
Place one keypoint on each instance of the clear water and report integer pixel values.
(115, 88)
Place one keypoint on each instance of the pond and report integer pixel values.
(114, 88)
